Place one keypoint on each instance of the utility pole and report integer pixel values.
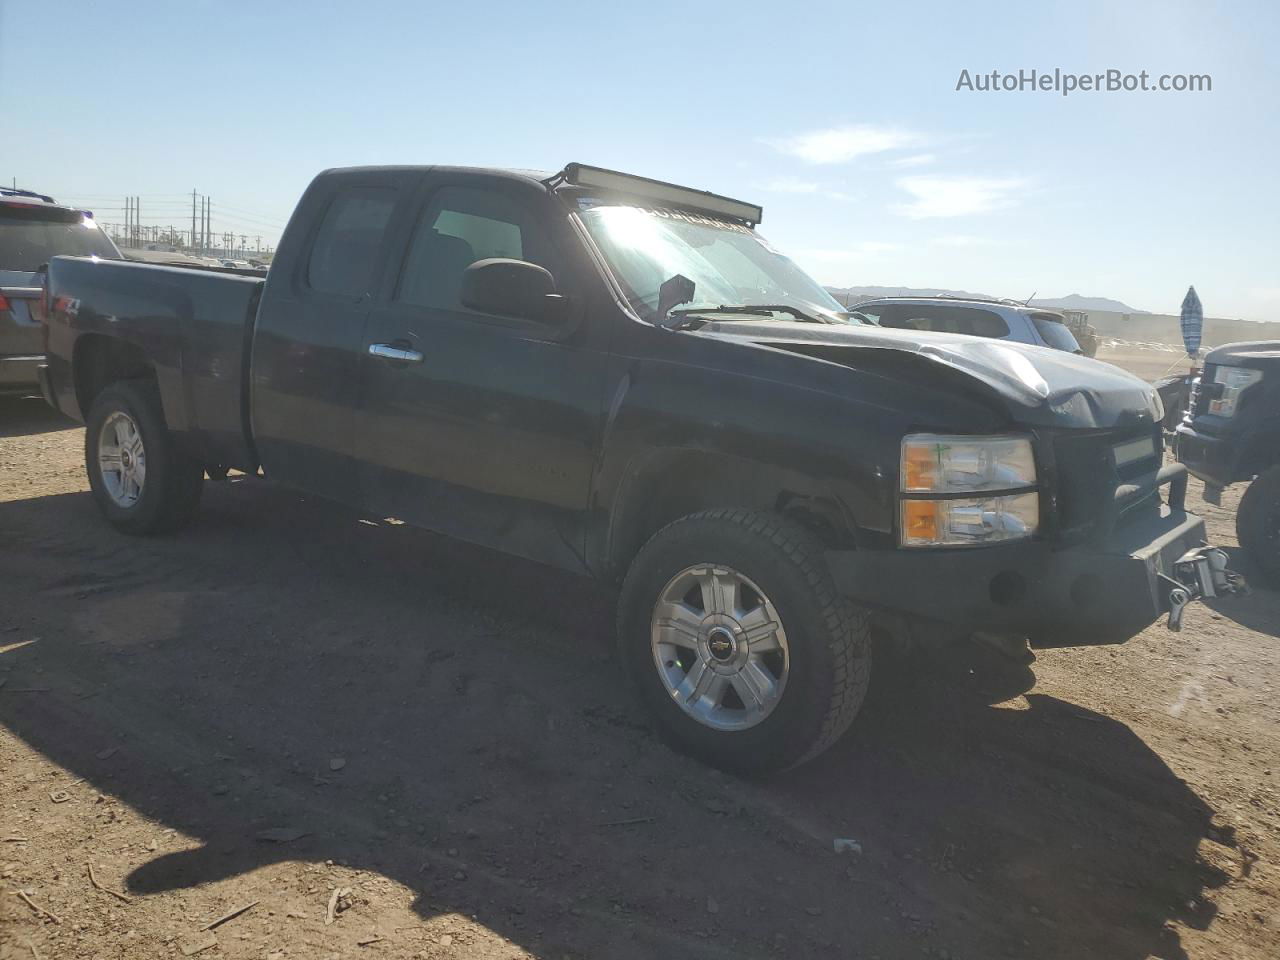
(192, 245)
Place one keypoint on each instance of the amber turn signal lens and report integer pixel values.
(920, 520)
(920, 467)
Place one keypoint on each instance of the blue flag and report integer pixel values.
(1192, 321)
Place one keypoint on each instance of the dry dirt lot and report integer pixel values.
(1148, 361)
(289, 700)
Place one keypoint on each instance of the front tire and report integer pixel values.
(1258, 524)
(143, 483)
(738, 642)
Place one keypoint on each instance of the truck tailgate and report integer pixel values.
(193, 325)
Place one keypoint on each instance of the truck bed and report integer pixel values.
(195, 325)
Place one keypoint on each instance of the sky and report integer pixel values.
(842, 119)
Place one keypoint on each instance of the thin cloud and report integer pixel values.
(790, 185)
(842, 144)
(943, 196)
(799, 186)
(865, 250)
(915, 160)
(960, 240)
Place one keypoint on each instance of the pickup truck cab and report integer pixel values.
(620, 377)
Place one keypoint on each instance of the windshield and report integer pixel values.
(729, 264)
(1055, 333)
(27, 243)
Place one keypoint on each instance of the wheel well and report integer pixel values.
(1262, 452)
(677, 483)
(99, 361)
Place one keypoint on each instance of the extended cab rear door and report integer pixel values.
(489, 429)
(307, 387)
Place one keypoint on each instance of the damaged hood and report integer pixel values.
(1040, 386)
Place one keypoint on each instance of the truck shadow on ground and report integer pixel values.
(26, 416)
(1260, 609)
(496, 766)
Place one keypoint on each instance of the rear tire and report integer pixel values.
(759, 665)
(143, 483)
(1258, 524)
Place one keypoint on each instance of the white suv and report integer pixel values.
(997, 319)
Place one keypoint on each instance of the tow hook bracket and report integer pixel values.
(1199, 574)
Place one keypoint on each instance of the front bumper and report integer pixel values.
(1212, 458)
(1105, 591)
(18, 373)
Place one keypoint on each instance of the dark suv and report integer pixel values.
(34, 228)
(1231, 434)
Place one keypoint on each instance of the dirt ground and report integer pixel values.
(289, 700)
(1148, 361)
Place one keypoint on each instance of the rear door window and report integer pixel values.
(970, 321)
(27, 241)
(346, 246)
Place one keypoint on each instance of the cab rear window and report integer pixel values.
(346, 245)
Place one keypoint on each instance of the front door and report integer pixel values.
(481, 427)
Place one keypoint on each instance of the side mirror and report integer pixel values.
(512, 288)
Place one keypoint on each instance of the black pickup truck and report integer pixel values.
(620, 377)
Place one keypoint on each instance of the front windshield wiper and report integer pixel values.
(750, 310)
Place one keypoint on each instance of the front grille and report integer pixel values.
(1086, 476)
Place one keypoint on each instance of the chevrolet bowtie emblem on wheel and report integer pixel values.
(721, 644)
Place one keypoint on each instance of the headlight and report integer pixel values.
(941, 464)
(933, 523)
(953, 470)
(1234, 380)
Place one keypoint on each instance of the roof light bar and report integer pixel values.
(612, 180)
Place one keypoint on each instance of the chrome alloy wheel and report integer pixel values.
(719, 647)
(122, 459)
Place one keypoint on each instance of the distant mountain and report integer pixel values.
(1077, 302)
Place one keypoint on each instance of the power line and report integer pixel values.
(255, 213)
(170, 204)
(252, 221)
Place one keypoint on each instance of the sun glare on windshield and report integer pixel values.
(728, 263)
